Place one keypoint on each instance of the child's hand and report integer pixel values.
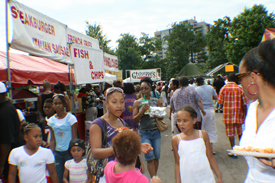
(146, 148)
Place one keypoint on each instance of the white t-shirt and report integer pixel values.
(20, 115)
(59, 122)
(31, 168)
(265, 137)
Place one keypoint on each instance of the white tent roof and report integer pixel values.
(110, 76)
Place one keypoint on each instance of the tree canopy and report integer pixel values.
(96, 32)
(246, 31)
(183, 42)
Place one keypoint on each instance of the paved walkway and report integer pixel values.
(233, 170)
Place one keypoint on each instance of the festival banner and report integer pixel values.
(38, 34)
(81, 39)
(137, 75)
(110, 62)
(88, 64)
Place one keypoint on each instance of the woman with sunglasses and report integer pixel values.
(115, 106)
(147, 126)
(257, 77)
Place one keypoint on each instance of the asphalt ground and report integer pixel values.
(233, 170)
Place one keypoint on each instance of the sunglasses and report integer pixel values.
(113, 89)
(244, 74)
(145, 88)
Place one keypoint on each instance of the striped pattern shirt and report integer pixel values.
(78, 171)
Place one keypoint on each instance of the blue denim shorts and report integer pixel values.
(153, 138)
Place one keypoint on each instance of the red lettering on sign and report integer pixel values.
(97, 75)
(32, 21)
(80, 53)
(91, 65)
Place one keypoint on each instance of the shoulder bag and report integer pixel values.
(96, 166)
(162, 126)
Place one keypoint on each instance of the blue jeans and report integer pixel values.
(60, 158)
(153, 138)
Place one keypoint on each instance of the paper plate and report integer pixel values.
(255, 154)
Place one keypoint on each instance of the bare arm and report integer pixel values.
(52, 172)
(68, 102)
(175, 142)
(96, 143)
(52, 140)
(12, 173)
(4, 152)
(74, 131)
(201, 107)
(215, 97)
(210, 157)
(136, 113)
(65, 175)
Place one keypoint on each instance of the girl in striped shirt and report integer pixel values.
(76, 169)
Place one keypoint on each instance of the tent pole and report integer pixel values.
(70, 81)
(8, 51)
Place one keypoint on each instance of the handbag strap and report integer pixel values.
(104, 133)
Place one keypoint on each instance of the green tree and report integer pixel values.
(128, 52)
(246, 31)
(216, 39)
(95, 31)
(183, 43)
(148, 47)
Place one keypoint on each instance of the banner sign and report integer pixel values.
(110, 62)
(81, 39)
(38, 34)
(137, 75)
(88, 64)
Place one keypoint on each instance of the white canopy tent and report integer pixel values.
(110, 77)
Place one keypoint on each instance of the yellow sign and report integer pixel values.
(229, 68)
(118, 74)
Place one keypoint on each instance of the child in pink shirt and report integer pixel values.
(126, 147)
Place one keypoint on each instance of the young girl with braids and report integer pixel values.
(31, 160)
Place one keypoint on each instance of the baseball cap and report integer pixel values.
(78, 143)
(3, 87)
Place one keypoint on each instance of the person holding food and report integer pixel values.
(257, 77)
(148, 129)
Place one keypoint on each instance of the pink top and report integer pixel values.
(133, 176)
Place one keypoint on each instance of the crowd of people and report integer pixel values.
(50, 151)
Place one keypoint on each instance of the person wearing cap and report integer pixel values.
(9, 130)
(76, 169)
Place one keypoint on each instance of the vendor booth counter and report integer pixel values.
(26, 101)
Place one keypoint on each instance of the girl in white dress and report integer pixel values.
(192, 151)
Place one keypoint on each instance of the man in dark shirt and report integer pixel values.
(9, 130)
(218, 84)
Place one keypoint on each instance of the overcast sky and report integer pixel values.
(132, 16)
